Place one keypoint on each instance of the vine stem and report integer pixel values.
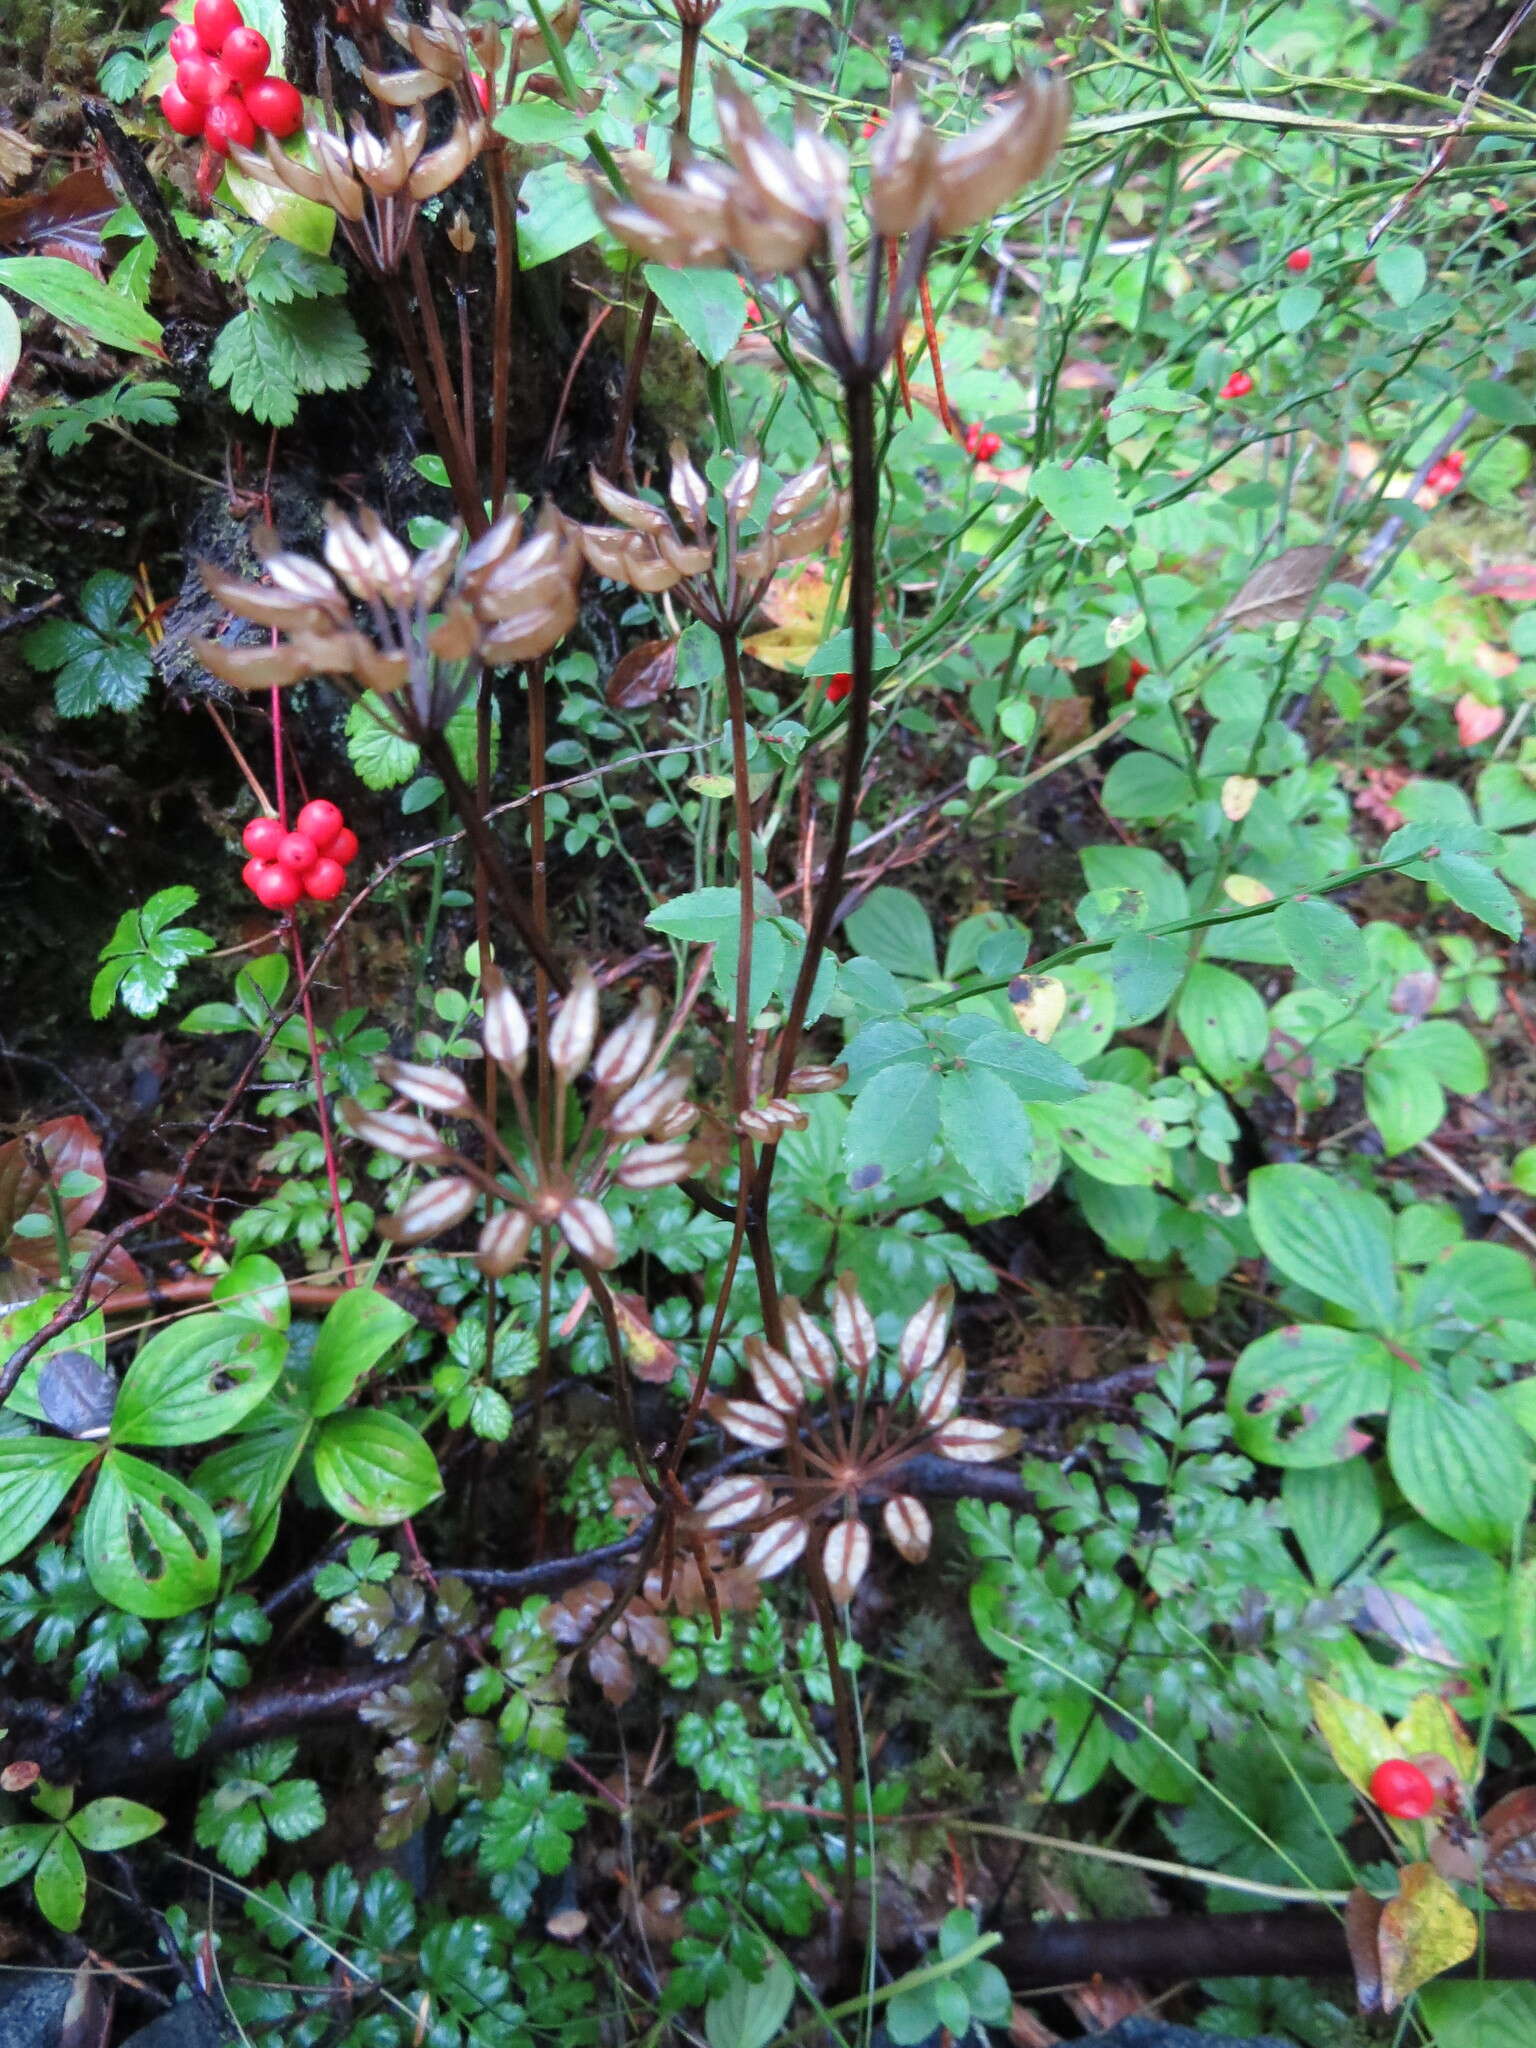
(465, 496)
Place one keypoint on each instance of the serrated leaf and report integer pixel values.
(381, 756)
(270, 356)
(555, 214)
(1281, 590)
(1081, 496)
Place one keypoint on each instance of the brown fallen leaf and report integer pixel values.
(67, 220)
(643, 676)
(16, 155)
(1281, 590)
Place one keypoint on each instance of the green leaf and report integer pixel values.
(374, 1468)
(1473, 886)
(1506, 795)
(1402, 1098)
(1225, 1021)
(114, 1823)
(1329, 1238)
(254, 1287)
(151, 1544)
(1478, 2015)
(1335, 1515)
(382, 758)
(304, 222)
(1357, 1736)
(1296, 1396)
(1144, 973)
(251, 1477)
(59, 1884)
(988, 1135)
(71, 294)
(1145, 785)
(891, 926)
(283, 272)
(36, 1472)
(1111, 1134)
(1500, 402)
(363, 1327)
(1323, 944)
(747, 2015)
(709, 305)
(1401, 272)
(1032, 1070)
(20, 1847)
(1081, 496)
(1297, 307)
(893, 1123)
(703, 916)
(270, 356)
(1459, 1463)
(555, 214)
(197, 1379)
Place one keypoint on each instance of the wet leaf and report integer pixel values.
(65, 221)
(643, 676)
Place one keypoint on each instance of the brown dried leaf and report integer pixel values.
(650, 1356)
(643, 676)
(608, 1662)
(1362, 1923)
(64, 221)
(16, 155)
(1281, 590)
(1509, 1836)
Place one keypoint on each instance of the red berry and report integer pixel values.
(262, 837)
(873, 125)
(972, 437)
(297, 851)
(1455, 462)
(278, 888)
(229, 122)
(202, 81)
(1299, 260)
(1134, 674)
(275, 105)
(246, 55)
(184, 42)
(987, 445)
(327, 878)
(839, 688)
(320, 820)
(183, 116)
(343, 848)
(1238, 385)
(1402, 1790)
(482, 87)
(213, 20)
(250, 871)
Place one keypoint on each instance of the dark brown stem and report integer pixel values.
(488, 852)
(538, 840)
(444, 440)
(741, 1025)
(468, 498)
(687, 65)
(504, 226)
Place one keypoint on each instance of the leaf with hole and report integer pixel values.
(1297, 1396)
(197, 1380)
(151, 1544)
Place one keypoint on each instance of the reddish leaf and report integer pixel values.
(65, 221)
(1513, 581)
(643, 676)
(650, 1356)
(27, 1264)
(1509, 1835)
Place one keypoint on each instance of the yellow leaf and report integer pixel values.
(1039, 1002)
(1248, 889)
(798, 605)
(1424, 1930)
(1356, 1734)
(1430, 1724)
(1237, 795)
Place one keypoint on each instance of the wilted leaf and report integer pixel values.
(643, 675)
(1362, 1931)
(1424, 1930)
(1281, 590)
(797, 604)
(1509, 1837)
(650, 1356)
(1515, 582)
(65, 221)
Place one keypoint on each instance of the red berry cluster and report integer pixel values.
(1444, 477)
(980, 443)
(222, 90)
(1238, 385)
(311, 860)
